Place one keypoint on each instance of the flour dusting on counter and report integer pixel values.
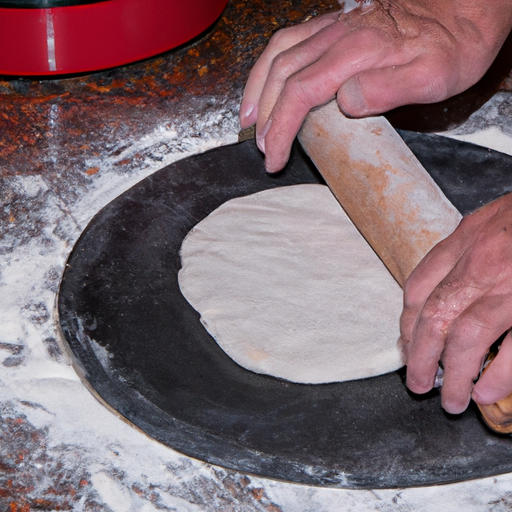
(490, 126)
(87, 457)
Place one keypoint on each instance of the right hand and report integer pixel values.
(457, 303)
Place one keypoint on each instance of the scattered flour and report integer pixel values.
(490, 126)
(109, 464)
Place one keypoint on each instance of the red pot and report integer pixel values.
(51, 37)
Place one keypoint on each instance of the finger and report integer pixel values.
(280, 42)
(313, 86)
(434, 267)
(482, 267)
(378, 90)
(293, 62)
(496, 383)
(469, 339)
(422, 359)
(448, 300)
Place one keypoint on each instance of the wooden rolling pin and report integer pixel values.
(388, 195)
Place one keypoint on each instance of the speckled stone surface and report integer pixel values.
(67, 147)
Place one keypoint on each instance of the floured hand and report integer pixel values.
(458, 301)
(379, 56)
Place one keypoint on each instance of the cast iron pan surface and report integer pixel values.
(141, 346)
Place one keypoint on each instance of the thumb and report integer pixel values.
(379, 90)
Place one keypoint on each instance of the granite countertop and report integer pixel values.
(68, 146)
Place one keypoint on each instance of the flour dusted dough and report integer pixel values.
(288, 287)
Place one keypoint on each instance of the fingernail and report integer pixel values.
(455, 407)
(260, 137)
(419, 386)
(351, 99)
(248, 114)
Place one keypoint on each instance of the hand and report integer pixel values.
(374, 58)
(457, 302)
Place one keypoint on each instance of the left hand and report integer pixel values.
(381, 55)
(457, 302)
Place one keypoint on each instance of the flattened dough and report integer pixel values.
(287, 287)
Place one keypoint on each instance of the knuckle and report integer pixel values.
(433, 86)
(298, 92)
(285, 63)
(437, 78)
(413, 294)
(461, 341)
(433, 326)
(435, 90)
(406, 327)
(434, 78)
(283, 38)
(474, 324)
(436, 318)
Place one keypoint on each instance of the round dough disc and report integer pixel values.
(288, 287)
